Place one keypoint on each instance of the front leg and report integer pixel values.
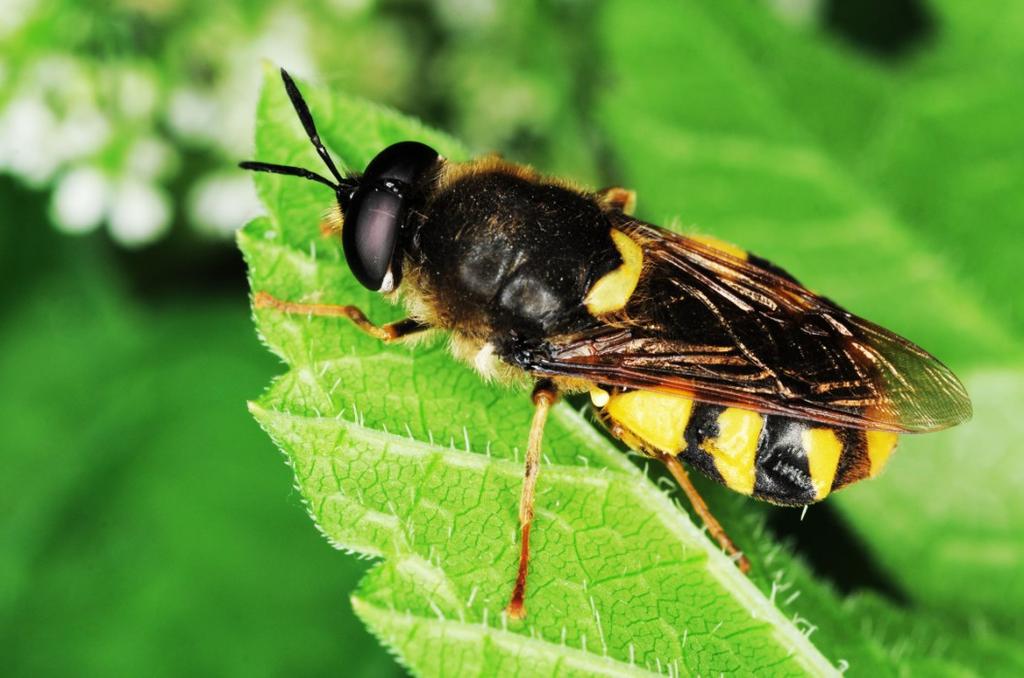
(544, 396)
(386, 333)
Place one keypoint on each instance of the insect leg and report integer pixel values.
(617, 198)
(388, 332)
(714, 527)
(544, 396)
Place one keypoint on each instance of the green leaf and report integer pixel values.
(404, 454)
(931, 138)
(953, 506)
(926, 148)
(148, 525)
(730, 159)
(947, 152)
(725, 140)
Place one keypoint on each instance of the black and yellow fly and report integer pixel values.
(692, 350)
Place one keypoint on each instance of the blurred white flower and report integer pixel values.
(192, 114)
(79, 202)
(148, 158)
(13, 14)
(222, 203)
(137, 94)
(139, 213)
(800, 13)
(83, 131)
(50, 120)
(466, 14)
(284, 41)
(26, 141)
(106, 132)
(350, 6)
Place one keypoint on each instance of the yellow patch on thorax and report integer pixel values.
(722, 246)
(657, 420)
(880, 445)
(734, 449)
(823, 449)
(612, 291)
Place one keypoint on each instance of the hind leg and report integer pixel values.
(715, 528)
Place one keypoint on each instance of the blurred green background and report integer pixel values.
(148, 525)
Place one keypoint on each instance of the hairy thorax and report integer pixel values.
(499, 253)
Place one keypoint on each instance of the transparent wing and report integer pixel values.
(730, 331)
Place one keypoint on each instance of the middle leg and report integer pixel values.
(544, 396)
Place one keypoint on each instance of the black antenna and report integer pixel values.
(287, 169)
(307, 123)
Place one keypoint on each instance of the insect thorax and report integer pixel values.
(502, 254)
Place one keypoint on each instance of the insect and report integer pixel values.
(693, 351)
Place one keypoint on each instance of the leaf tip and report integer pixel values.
(269, 68)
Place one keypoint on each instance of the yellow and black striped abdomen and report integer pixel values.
(778, 459)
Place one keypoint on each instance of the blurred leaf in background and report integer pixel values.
(870, 147)
(934, 159)
(148, 526)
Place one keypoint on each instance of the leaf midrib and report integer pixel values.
(595, 664)
(632, 479)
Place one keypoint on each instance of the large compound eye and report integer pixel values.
(369, 236)
(377, 211)
(404, 162)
